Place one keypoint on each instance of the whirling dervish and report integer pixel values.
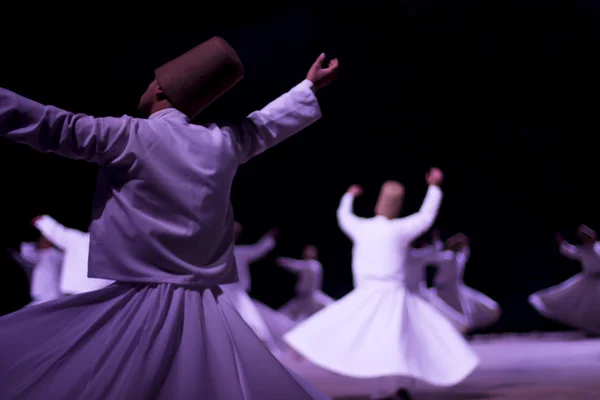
(75, 245)
(162, 228)
(268, 324)
(479, 310)
(42, 262)
(380, 331)
(575, 302)
(419, 256)
(309, 296)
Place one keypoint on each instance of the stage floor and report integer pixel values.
(519, 367)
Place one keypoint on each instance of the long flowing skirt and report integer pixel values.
(383, 331)
(303, 306)
(139, 342)
(575, 302)
(480, 310)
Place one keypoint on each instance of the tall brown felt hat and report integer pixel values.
(197, 78)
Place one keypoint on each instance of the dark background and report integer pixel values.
(503, 96)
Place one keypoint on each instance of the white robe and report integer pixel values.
(416, 261)
(449, 287)
(26, 257)
(44, 268)
(267, 323)
(575, 302)
(75, 245)
(380, 330)
(309, 295)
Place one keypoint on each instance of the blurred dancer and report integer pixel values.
(419, 256)
(42, 262)
(76, 247)
(162, 228)
(480, 311)
(575, 302)
(309, 295)
(268, 324)
(381, 331)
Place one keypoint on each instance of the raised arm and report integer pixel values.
(285, 116)
(568, 250)
(293, 265)
(422, 252)
(258, 250)
(50, 129)
(56, 233)
(416, 224)
(465, 252)
(280, 119)
(349, 223)
(29, 252)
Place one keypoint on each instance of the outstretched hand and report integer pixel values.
(320, 76)
(435, 177)
(36, 219)
(355, 190)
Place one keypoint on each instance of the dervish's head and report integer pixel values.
(310, 252)
(194, 80)
(390, 199)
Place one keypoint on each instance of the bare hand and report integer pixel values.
(355, 190)
(320, 76)
(435, 177)
(435, 235)
(559, 239)
(35, 220)
(274, 232)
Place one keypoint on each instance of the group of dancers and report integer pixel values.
(162, 311)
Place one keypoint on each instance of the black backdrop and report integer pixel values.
(502, 96)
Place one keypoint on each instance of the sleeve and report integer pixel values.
(260, 249)
(292, 265)
(348, 222)
(597, 248)
(438, 256)
(24, 262)
(280, 119)
(568, 250)
(29, 252)
(418, 223)
(56, 233)
(50, 129)
(465, 252)
(422, 252)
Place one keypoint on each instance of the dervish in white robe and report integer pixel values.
(75, 245)
(417, 259)
(575, 302)
(381, 331)
(268, 324)
(309, 297)
(449, 288)
(42, 263)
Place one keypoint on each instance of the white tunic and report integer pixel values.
(417, 260)
(43, 266)
(574, 302)
(381, 330)
(45, 280)
(26, 257)
(75, 245)
(479, 310)
(309, 295)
